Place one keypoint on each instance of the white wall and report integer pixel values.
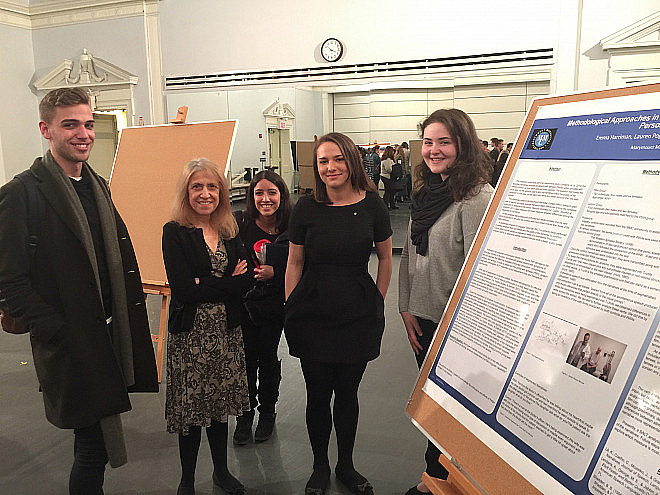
(120, 42)
(20, 141)
(247, 106)
(601, 18)
(201, 36)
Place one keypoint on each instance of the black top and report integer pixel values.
(253, 236)
(186, 258)
(85, 193)
(335, 313)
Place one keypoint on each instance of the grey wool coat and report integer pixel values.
(58, 299)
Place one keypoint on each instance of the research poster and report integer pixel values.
(554, 346)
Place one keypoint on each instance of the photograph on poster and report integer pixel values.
(596, 354)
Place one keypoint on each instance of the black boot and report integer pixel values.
(243, 431)
(265, 427)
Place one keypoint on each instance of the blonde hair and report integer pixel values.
(222, 218)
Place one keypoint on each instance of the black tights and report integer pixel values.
(189, 447)
(433, 466)
(321, 381)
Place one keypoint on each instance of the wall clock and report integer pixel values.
(332, 49)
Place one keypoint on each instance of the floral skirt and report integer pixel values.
(206, 377)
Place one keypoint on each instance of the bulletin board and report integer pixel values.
(147, 166)
(568, 247)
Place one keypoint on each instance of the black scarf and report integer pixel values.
(427, 205)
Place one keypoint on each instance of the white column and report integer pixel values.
(154, 61)
(567, 50)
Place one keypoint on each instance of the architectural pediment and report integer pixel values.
(634, 53)
(643, 34)
(88, 71)
(280, 110)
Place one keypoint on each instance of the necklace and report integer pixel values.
(269, 230)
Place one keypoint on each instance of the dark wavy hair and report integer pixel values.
(356, 172)
(283, 211)
(472, 166)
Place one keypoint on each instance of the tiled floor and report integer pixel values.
(35, 457)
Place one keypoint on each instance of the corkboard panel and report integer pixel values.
(305, 153)
(148, 163)
(491, 473)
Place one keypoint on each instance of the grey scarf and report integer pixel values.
(121, 332)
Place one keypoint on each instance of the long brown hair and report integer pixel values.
(353, 159)
(472, 166)
(222, 217)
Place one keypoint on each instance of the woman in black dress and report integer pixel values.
(206, 379)
(334, 310)
(265, 221)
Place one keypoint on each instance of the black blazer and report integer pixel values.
(186, 258)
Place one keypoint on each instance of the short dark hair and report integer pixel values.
(485, 143)
(61, 97)
(494, 140)
(283, 211)
(356, 172)
(472, 166)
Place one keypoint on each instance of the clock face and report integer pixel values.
(332, 49)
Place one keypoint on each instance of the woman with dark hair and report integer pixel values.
(206, 379)
(334, 310)
(264, 222)
(386, 164)
(450, 197)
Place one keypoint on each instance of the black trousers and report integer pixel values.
(388, 196)
(433, 467)
(90, 458)
(322, 380)
(262, 365)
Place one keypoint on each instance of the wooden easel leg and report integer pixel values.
(455, 484)
(162, 335)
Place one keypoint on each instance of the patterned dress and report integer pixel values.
(206, 377)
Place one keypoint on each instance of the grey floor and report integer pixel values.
(35, 457)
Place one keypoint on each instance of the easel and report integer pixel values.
(148, 163)
(455, 484)
(493, 466)
(161, 337)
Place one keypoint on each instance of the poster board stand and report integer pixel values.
(146, 170)
(512, 422)
(455, 484)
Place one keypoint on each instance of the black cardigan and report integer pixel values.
(186, 258)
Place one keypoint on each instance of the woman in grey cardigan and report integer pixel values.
(450, 198)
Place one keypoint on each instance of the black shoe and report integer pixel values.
(231, 486)
(185, 490)
(355, 482)
(243, 431)
(265, 427)
(318, 482)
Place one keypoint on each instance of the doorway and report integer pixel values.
(107, 126)
(279, 151)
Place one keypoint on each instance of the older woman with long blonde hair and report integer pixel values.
(207, 273)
